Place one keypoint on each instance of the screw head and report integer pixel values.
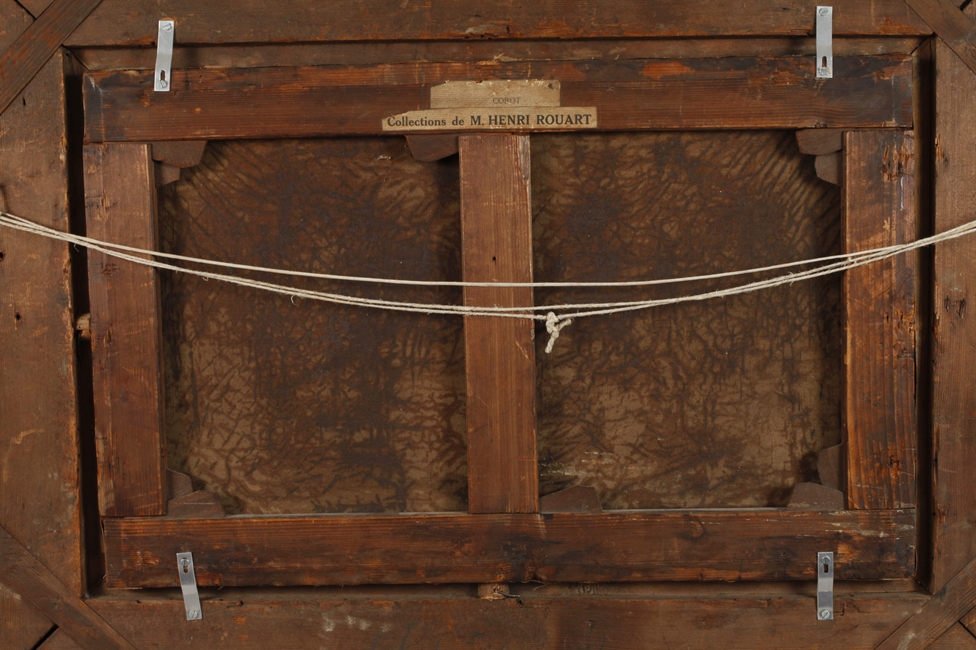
(162, 83)
(824, 11)
(824, 614)
(168, 27)
(193, 614)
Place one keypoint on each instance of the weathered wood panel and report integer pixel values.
(459, 548)
(722, 403)
(371, 53)
(39, 475)
(21, 625)
(128, 22)
(496, 240)
(304, 407)
(954, 346)
(121, 208)
(879, 303)
(688, 94)
(386, 620)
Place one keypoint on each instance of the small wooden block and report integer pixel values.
(182, 154)
(428, 148)
(813, 496)
(828, 167)
(178, 484)
(828, 466)
(166, 174)
(579, 498)
(196, 505)
(817, 142)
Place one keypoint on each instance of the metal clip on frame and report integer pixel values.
(825, 46)
(164, 56)
(188, 583)
(825, 586)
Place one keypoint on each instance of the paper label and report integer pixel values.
(495, 105)
(495, 93)
(538, 118)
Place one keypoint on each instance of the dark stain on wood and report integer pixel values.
(715, 404)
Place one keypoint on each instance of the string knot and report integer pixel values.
(553, 326)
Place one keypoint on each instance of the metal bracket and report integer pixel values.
(164, 55)
(188, 583)
(825, 45)
(825, 586)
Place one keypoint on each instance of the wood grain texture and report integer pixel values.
(496, 241)
(969, 620)
(957, 638)
(256, 620)
(696, 93)
(25, 574)
(264, 55)
(26, 56)
(58, 641)
(21, 625)
(128, 22)
(879, 401)
(13, 22)
(459, 548)
(304, 406)
(948, 605)
(954, 346)
(713, 404)
(40, 499)
(955, 28)
(120, 197)
(35, 7)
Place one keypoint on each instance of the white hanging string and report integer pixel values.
(13, 221)
(558, 316)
